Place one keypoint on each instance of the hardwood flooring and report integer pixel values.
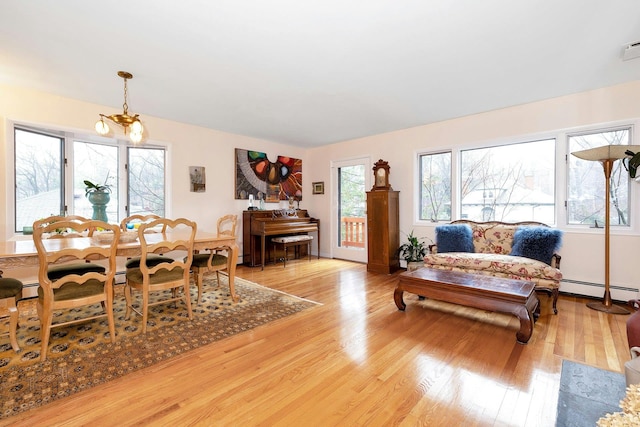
(358, 360)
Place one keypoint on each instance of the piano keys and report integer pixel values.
(259, 226)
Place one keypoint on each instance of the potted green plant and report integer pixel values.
(631, 163)
(98, 195)
(90, 187)
(413, 252)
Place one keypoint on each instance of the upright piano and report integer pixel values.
(259, 226)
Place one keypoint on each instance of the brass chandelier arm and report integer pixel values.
(121, 119)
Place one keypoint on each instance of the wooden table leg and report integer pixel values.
(397, 297)
(232, 260)
(525, 313)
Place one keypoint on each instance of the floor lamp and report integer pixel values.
(606, 155)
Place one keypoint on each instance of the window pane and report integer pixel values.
(351, 206)
(99, 164)
(38, 178)
(146, 181)
(435, 187)
(509, 183)
(585, 204)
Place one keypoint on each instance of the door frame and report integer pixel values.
(336, 251)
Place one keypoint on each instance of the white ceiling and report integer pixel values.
(314, 72)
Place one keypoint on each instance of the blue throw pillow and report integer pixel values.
(539, 243)
(454, 238)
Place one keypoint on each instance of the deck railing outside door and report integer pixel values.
(352, 232)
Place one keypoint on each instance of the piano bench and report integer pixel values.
(287, 241)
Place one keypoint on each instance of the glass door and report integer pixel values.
(350, 234)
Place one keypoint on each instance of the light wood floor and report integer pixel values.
(359, 361)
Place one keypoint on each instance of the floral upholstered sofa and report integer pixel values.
(523, 251)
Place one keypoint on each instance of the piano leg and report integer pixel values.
(262, 246)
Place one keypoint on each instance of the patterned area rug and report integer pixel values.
(81, 356)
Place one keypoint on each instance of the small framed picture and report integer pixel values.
(318, 187)
(197, 178)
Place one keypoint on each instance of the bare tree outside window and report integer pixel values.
(514, 182)
(38, 176)
(586, 181)
(435, 187)
(41, 164)
(146, 181)
(97, 163)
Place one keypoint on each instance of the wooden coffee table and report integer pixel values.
(510, 296)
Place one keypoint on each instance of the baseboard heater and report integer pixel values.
(599, 285)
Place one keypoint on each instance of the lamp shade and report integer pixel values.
(135, 137)
(101, 127)
(136, 127)
(606, 152)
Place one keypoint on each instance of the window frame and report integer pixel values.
(561, 174)
(567, 173)
(418, 195)
(68, 139)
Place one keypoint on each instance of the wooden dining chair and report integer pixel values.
(60, 232)
(136, 221)
(216, 259)
(172, 274)
(10, 294)
(74, 288)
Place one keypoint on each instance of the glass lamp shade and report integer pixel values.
(136, 127)
(101, 127)
(135, 137)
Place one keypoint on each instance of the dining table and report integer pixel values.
(23, 253)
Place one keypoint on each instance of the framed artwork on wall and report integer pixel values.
(318, 187)
(266, 180)
(197, 178)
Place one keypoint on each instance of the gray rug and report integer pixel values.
(587, 394)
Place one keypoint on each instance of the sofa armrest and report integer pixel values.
(555, 261)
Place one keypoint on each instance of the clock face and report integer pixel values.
(380, 178)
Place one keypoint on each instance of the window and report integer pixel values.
(514, 182)
(586, 181)
(435, 187)
(51, 167)
(97, 163)
(38, 176)
(146, 181)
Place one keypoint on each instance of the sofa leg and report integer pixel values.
(555, 294)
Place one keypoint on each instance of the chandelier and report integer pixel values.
(128, 122)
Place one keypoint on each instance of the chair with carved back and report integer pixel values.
(214, 260)
(69, 288)
(61, 232)
(133, 222)
(173, 274)
(10, 294)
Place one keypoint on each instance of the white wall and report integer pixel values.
(195, 146)
(187, 146)
(582, 252)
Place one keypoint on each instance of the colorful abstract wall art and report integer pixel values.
(264, 179)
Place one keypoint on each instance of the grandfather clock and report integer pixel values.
(383, 222)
